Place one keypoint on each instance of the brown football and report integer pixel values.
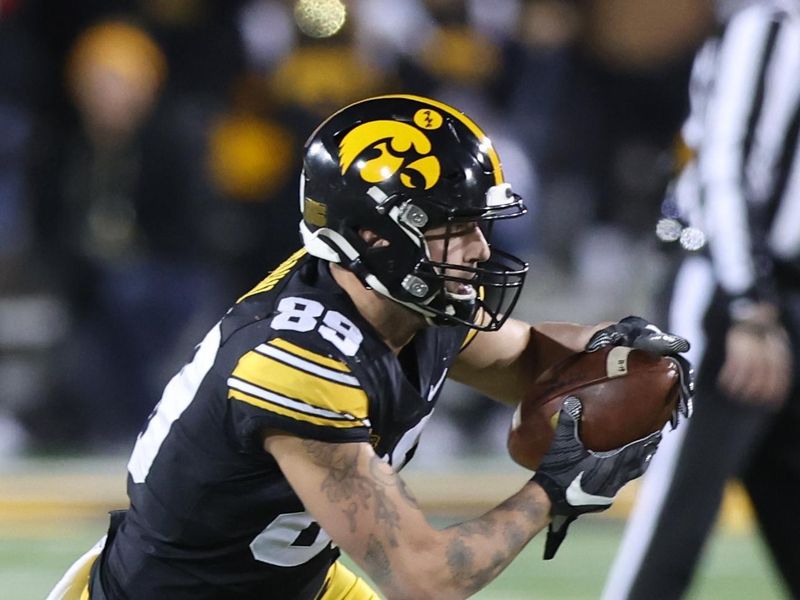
(626, 395)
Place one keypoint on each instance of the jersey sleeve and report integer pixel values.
(289, 386)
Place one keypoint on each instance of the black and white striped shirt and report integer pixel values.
(742, 187)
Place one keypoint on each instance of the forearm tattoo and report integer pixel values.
(378, 562)
(460, 558)
(476, 551)
(362, 495)
(406, 493)
(492, 529)
(472, 578)
(350, 513)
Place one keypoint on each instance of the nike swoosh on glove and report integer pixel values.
(578, 480)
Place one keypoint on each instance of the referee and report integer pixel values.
(738, 301)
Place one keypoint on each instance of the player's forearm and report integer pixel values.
(480, 549)
(463, 558)
(570, 337)
(549, 344)
(369, 512)
(502, 364)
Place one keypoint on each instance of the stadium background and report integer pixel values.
(149, 152)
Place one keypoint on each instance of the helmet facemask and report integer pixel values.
(480, 295)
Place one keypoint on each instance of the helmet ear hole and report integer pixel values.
(372, 239)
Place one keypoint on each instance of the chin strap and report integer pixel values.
(329, 245)
(317, 246)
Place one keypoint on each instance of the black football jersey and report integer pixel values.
(211, 515)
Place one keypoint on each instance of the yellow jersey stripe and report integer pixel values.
(271, 280)
(297, 415)
(288, 358)
(271, 374)
(325, 361)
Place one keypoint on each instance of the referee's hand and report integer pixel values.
(758, 361)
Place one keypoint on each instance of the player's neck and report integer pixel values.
(395, 324)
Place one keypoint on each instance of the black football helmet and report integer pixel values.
(401, 165)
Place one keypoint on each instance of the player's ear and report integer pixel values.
(372, 239)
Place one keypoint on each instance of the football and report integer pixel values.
(626, 394)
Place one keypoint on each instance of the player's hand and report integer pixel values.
(686, 388)
(636, 332)
(758, 361)
(578, 480)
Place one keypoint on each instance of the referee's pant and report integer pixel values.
(680, 496)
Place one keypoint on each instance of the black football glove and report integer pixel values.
(636, 332)
(686, 390)
(578, 480)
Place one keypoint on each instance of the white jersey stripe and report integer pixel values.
(290, 403)
(307, 366)
(177, 397)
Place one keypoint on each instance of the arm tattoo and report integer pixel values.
(509, 539)
(514, 537)
(385, 509)
(459, 558)
(378, 561)
(476, 551)
(350, 513)
(345, 483)
(406, 493)
(387, 476)
(485, 526)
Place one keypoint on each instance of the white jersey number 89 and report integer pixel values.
(303, 314)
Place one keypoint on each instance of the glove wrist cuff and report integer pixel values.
(556, 493)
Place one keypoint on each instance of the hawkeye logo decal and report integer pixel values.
(382, 148)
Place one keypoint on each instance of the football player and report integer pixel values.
(280, 442)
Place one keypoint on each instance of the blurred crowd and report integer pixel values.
(150, 154)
